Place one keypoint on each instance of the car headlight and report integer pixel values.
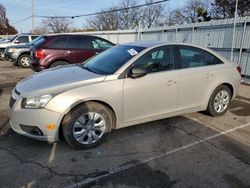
(11, 50)
(36, 102)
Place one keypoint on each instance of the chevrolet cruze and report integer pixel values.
(126, 85)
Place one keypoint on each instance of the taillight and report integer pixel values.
(239, 69)
(39, 54)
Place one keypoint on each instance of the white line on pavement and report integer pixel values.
(120, 169)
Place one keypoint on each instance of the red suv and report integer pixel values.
(54, 50)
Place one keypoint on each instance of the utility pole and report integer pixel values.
(234, 26)
(33, 19)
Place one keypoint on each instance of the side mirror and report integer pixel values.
(16, 42)
(137, 72)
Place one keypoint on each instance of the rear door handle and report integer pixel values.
(69, 52)
(209, 75)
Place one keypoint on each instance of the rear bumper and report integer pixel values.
(35, 65)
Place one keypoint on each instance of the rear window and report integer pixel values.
(38, 41)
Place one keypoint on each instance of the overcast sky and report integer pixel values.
(20, 9)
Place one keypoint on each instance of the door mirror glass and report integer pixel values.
(16, 42)
(137, 72)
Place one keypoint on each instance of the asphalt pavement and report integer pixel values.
(193, 150)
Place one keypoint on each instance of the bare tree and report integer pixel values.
(104, 21)
(56, 24)
(2, 16)
(5, 27)
(152, 15)
(42, 29)
(127, 17)
(226, 9)
(189, 12)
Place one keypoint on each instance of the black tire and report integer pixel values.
(24, 61)
(71, 118)
(211, 106)
(58, 63)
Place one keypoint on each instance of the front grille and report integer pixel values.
(12, 102)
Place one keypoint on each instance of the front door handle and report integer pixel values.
(69, 52)
(170, 82)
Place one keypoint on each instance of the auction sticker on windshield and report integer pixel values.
(132, 52)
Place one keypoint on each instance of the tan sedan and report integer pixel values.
(125, 85)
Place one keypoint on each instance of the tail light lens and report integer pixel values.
(39, 54)
(239, 69)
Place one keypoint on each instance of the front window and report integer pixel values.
(158, 59)
(112, 59)
(23, 39)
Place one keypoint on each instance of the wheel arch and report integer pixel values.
(75, 105)
(230, 86)
(23, 53)
(55, 60)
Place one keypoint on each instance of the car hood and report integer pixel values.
(5, 44)
(56, 80)
(20, 46)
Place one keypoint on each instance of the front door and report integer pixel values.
(157, 92)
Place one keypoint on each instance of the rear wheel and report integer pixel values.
(58, 63)
(87, 125)
(24, 61)
(219, 101)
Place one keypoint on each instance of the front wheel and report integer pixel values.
(219, 101)
(24, 61)
(87, 125)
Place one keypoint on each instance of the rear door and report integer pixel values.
(79, 48)
(197, 73)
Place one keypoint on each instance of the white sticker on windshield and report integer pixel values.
(132, 52)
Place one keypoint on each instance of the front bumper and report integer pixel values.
(11, 56)
(40, 118)
(2, 53)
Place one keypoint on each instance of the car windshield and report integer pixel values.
(112, 59)
(13, 38)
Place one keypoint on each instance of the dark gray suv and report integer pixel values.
(20, 54)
